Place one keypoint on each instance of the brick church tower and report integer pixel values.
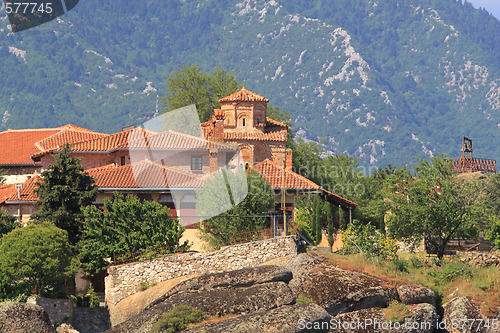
(242, 119)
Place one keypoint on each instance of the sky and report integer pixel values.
(493, 6)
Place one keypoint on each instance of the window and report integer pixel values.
(196, 162)
(122, 160)
(244, 122)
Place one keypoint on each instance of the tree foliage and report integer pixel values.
(312, 215)
(36, 256)
(190, 85)
(126, 225)
(259, 199)
(493, 195)
(7, 222)
(434, 205)
(63, 191)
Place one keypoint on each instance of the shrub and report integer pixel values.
(178, 318)
(358, 238)
(397, 312)
(400, 265)
(89, 300)
(303, 299)
(493, 233)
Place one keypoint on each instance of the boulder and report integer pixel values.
(218, 301)
(23, 317)
(339, 291)
(414, 295)
(66, 328)
(423, 319)
(458, 311)
(225, 301)
(371, 320)
(245, 277)
(285, 319)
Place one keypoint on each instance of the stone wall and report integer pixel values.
(59, 310)
(125, 280)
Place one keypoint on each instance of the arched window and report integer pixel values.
(244, 122)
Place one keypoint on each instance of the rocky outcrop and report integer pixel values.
(339, 290)
(24, 317)
(371, 320)
(233, 279)
(66, 328)
(423, 319)
(414, 295)
(458, 311)
(285, 319)
(225, 301)
(238, 292)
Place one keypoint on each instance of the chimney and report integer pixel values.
(19, 187)
(218, 135)
(288, 154)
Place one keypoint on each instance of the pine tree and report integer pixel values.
(63, 190)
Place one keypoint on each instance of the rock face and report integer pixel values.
(23, 318)
(232, 279)
(285, 319)
(459, 310)
(66, 328)
(423, 319)
(236, 292)
(338, 290)
(362, 321)
(414, 295)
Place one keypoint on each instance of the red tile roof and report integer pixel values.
(6, 191)
(57, 140)
(260, 136)
(111, 141)
(176, 141)
(273, 173)
(17, 146)
(145, 174)
(243, 95)
(27, 192)
(273, 131)
(339, 199)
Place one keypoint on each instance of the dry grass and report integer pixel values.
(450, 280)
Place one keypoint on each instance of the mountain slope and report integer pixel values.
(384, 81)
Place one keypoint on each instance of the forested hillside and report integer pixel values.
(386, 81)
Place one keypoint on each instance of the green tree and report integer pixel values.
(38, 256)
(493, 232)
(7, 222)
(307, 161)
(126, 225)
(63, 191)
(434, 205)
(493, 194)
(190, 85)
(217, 231)
(318, 217)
